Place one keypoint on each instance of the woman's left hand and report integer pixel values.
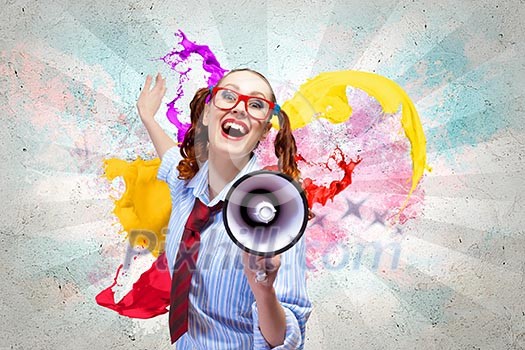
(253, 263)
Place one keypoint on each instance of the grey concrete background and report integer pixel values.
(71, 72)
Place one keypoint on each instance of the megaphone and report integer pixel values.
(265, 212)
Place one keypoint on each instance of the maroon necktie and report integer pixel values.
(185, 264)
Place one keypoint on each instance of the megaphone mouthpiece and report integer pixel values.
(265, 212)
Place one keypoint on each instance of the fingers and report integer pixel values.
(258, 263)
(250, 261)
(272, 264)
(160, 84)
(146, 84)
(163, 86)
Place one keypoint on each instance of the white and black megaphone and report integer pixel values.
(265, 212)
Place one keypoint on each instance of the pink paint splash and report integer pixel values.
(321, 239)
(210, 64)
(384, 175)
(379, 183)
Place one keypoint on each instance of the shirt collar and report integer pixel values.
(199, 183)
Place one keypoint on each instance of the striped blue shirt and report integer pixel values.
(222, 312)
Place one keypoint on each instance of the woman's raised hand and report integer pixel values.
(149, 101)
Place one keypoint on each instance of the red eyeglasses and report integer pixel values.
(258, 108)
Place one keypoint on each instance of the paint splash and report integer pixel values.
(149, 297)
(143, 211)
(144, 208)
(321, 194)
(379, 184)
(174, 59)
(325, 97)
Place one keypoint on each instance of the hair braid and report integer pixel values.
(285, 147)
(194, 148)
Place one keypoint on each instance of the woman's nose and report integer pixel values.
(240, 109)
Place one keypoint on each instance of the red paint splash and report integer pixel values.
(321, 194)
(149, 297)
(210, 64)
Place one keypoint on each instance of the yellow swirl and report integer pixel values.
(325, 97)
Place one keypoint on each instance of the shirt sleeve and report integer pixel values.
(168, 164)
(290, 287)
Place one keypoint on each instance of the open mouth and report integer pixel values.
(234, 128)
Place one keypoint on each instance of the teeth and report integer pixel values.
(241, 128)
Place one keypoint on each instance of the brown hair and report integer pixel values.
(194, 148)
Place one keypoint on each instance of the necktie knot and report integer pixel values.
(200, 215)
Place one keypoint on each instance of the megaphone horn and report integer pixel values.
(265, 212)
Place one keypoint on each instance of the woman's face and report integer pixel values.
(223, 139)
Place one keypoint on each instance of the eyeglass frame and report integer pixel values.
(274, 108)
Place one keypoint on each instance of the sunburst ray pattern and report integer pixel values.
(448, 273)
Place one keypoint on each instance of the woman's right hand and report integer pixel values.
(149, 101)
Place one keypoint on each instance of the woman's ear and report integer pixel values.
(205, 111)
(266, 131)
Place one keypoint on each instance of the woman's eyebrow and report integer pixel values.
(250, 94)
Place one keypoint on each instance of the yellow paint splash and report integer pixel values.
(325, 97)
(144, 208)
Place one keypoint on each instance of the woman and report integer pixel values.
(229, 306)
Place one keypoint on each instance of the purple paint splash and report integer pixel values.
(210, 64)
